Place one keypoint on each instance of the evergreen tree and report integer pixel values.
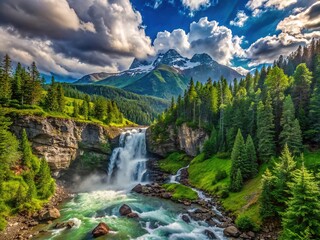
(75, 113)
(100, 108)
(238, 157)
(44, 181)
(60, 98)
(238, 183)
(26, 150)
(301, 219)
(210, 147)
(252, 163)
(301, 93)
(265, 130)
(6, 79)
(291, 133)
(283, 173)
(314, 115)
(267, 207)
(51, 99)
(17, 84)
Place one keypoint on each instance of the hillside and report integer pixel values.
(163, 82)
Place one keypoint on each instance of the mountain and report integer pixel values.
(163, 76)
(163, 81)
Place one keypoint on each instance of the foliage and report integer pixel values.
(245, 223)
(181, 192)
(174, 162)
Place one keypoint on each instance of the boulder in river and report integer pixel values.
(133, 215)
(137, 188)
(125, 210)
(166, 195)
(210, 234)
(67, 225)
(231, 231)
(185, 218)
(100, 230)
(51, 214)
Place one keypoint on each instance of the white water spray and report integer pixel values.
(127, 163)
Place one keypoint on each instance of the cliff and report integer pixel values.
(61, 141)
(180, 138)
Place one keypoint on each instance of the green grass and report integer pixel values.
(244, 203)
(312, 160)
(174, 162)
(202, 173)
(180, 192)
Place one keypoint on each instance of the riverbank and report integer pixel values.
(25, 226)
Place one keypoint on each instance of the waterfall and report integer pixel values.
(128, 161)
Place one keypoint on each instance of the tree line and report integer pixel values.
(265, 115)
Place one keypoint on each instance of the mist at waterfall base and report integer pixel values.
(104, 195)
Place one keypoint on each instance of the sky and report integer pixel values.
(71, 38)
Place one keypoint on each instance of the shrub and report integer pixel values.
(223, 155)
(245, 223)
(221, 174)
(224, 194)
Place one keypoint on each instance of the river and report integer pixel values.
(158, 218)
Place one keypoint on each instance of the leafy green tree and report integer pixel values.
(265, 130)
(301, 219)
(301, 93)
(252, 162)
(291, 133)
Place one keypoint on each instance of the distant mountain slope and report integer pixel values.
(137, 108)
(164, 82)
(165, 75)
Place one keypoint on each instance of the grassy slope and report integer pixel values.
(38, 111)
(163, 82)
(181, 192)
(174, 162)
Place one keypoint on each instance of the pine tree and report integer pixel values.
(301, 219)
(314, 114)
(291, 133)
(44, 181)
(238, 183)
(17, 84)
(267, 208)
(301, 93)
(6, 79)
(75, 113)
(35, 84)
(51, 99)
(283, 173)
(60, 98)
(26, 150)
(210, 147)
(265, 130)
(238, 157)
(100, 108)
(252, 157)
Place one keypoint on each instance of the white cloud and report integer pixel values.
(195, 5)
(204, 37)
(240, 19)
(76, 37)
(241, 70)
(263, 4)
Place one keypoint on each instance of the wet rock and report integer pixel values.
(100, 230)
(166, 195)
(251, 234)
(133, 215)
(245, 236)
(210, 234)
(211, 223)
(231, 231)
(185, 218)
(67, 225)
(125, 210)
(51, 214)
(137, 188)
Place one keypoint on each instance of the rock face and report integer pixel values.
(60, 141)
(183, 138)
(100, 230)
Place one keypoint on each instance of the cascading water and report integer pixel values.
(127, 163)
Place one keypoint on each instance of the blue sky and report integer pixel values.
(72, 38)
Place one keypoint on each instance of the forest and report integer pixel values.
(269, 118)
